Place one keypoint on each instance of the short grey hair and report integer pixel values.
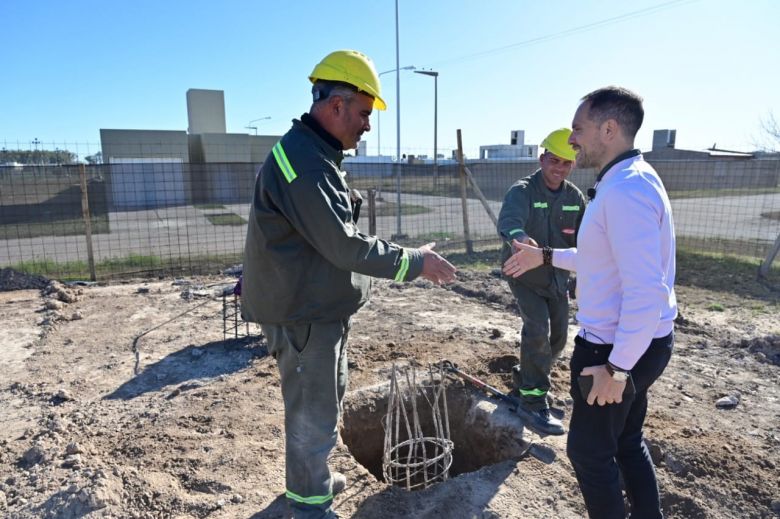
(322, 90)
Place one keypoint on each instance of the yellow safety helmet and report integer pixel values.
(557, 143)
(354, 68)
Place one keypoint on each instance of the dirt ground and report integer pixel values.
(126, 400)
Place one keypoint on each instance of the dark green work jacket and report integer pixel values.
(551, 218)
(305, 259)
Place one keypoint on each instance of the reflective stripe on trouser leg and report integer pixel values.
(309, 359)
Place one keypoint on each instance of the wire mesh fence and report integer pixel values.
(168, 216)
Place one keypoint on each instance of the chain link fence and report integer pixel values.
(152, 216)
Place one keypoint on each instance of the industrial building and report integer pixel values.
(150, 168)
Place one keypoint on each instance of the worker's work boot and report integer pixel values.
(541, 421)
(338, 482)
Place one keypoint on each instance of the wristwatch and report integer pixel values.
(617, 374)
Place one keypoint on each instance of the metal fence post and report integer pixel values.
(372, 212)
(87, 221)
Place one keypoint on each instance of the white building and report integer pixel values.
(517, 149)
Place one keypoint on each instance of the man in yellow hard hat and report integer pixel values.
(545, 210)
(308, 268)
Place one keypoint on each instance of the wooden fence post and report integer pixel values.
(763, 270)
(87, 221)
(481, 197)
(464, 199)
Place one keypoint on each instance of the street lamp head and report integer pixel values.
(408, 67)
(432, 73)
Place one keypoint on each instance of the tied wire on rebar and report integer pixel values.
(414, 458)
(233, 324)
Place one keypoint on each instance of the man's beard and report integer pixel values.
(590, 159)
(584, 161)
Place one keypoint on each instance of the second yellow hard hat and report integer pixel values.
(557, 143)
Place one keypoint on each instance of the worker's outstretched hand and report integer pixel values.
(524, 258)
(435, 268)
(528, 241)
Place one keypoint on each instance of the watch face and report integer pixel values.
(620, 376)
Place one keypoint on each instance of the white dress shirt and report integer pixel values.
(625, 262)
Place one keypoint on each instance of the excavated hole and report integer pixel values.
(483, 433)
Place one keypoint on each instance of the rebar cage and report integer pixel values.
(414, 458)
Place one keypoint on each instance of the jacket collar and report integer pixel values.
(538, 177)
(314, 125)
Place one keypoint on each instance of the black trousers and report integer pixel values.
(606, 441)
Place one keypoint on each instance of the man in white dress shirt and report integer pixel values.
(625, 264)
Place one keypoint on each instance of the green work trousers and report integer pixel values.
(312, 360)
(542, 339)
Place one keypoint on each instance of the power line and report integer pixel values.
(568, 32)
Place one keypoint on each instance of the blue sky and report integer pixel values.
(708, 68)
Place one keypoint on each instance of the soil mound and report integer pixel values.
(11, 279)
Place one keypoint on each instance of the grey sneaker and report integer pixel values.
(338, 482)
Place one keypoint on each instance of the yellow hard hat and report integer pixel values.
(354, 68)
(557, 143)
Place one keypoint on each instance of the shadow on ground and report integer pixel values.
(192, 363)
(467, 495)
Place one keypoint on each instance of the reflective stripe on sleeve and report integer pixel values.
(311, 500)
(570, 208)
(404, 268)
(283, 163)
(515, 231)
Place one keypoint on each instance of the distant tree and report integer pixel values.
(59, 156)
(97, 158)
(770, 128)
(39, 157)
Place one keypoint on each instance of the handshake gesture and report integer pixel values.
(436, 268)
(526, 255)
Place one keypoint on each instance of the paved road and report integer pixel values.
(729, 217)
(185, 232)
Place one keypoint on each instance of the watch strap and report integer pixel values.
(612, 369)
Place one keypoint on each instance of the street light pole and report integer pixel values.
(378, 127)
(249, 124)
(435, 76)
(36, 157)
(397, 128)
